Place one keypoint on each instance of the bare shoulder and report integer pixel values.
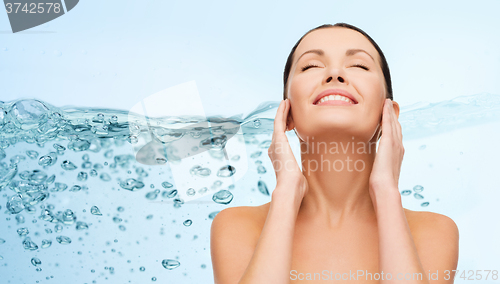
(425, 221)
(234, 234)
(436, 239)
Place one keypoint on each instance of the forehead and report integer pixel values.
(335, 41)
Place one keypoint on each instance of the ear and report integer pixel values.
(395, 105)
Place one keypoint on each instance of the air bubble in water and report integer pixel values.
(418, 188)
(166, 184)
(418, 196)
(68, 165)
(406, 192)
(35, 261)
(94, 210)
(222, 197)
(262, 187)
(187, 223)
(226, 171)
(131, 184)
(46, 243)
(170, 263)
(63, 240)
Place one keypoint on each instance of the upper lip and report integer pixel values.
(335, 92)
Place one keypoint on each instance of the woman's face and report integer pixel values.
(332, 122)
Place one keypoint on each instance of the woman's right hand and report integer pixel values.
(286, 168)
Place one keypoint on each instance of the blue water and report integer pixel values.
(81, 201)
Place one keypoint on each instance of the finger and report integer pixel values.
(285, 114)
(278, 120)
(397, 125)
(386, 121)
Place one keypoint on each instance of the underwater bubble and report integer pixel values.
(117, 219)
(15, 204)
(153, 279)
(105, 177)
(166, 184)
(425, 204)
(24, 175)
(422, 147)
(35, 261)
(169, 194)
(222, 197)
(418, 188)
(122, 228)
(86, 165)
(161, 161)
(141, 172)
(75, 188)
(28, 244)
(108, 154)
(59, 148)
(58, 228)
(203, 266)
(262, 187)
(79, 145)
(17, 158)
(32, 154)
(406, 192)
(131, 184)
(99, 118)
(63, 240)
(170, 263)
(2, 241)
(226, 171)
(261, 169)
(258, 162)
(93, 173)
(98, 166)
(149, 217)
(94, 210)
(265, 144)
(256, 123)
(27, 113)
(22, 231)
(48, 160)
(46, 215)
(68, 217)
(142, 268)
(256, 154)
(81, 226)
(187, 223)
(200, 171)
(46, 243)
(58, 186)
(202, 190)
(418, 196)
(218, 142)
(120, 209)
(190, 192)
(236, 158)
(82, 176)
(48, 231)
(50, 180)
(37, 176)
(152, 195)
(68, 165)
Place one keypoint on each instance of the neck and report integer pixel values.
(338, 174)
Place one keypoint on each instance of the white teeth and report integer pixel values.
(335, 97)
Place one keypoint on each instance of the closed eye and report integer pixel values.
(361, 66)
(308, 66)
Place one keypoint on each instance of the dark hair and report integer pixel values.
(384, 65)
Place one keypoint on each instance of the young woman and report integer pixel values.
(340, 218)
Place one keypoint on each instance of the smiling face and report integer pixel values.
(331, 58)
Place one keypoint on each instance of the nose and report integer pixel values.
(339, 78)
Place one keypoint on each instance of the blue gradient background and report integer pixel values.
(114, 53)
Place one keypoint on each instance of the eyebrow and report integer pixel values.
(349, 52)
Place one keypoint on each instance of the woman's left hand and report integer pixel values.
(389, 157)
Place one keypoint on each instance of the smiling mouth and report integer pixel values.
(335, 100)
